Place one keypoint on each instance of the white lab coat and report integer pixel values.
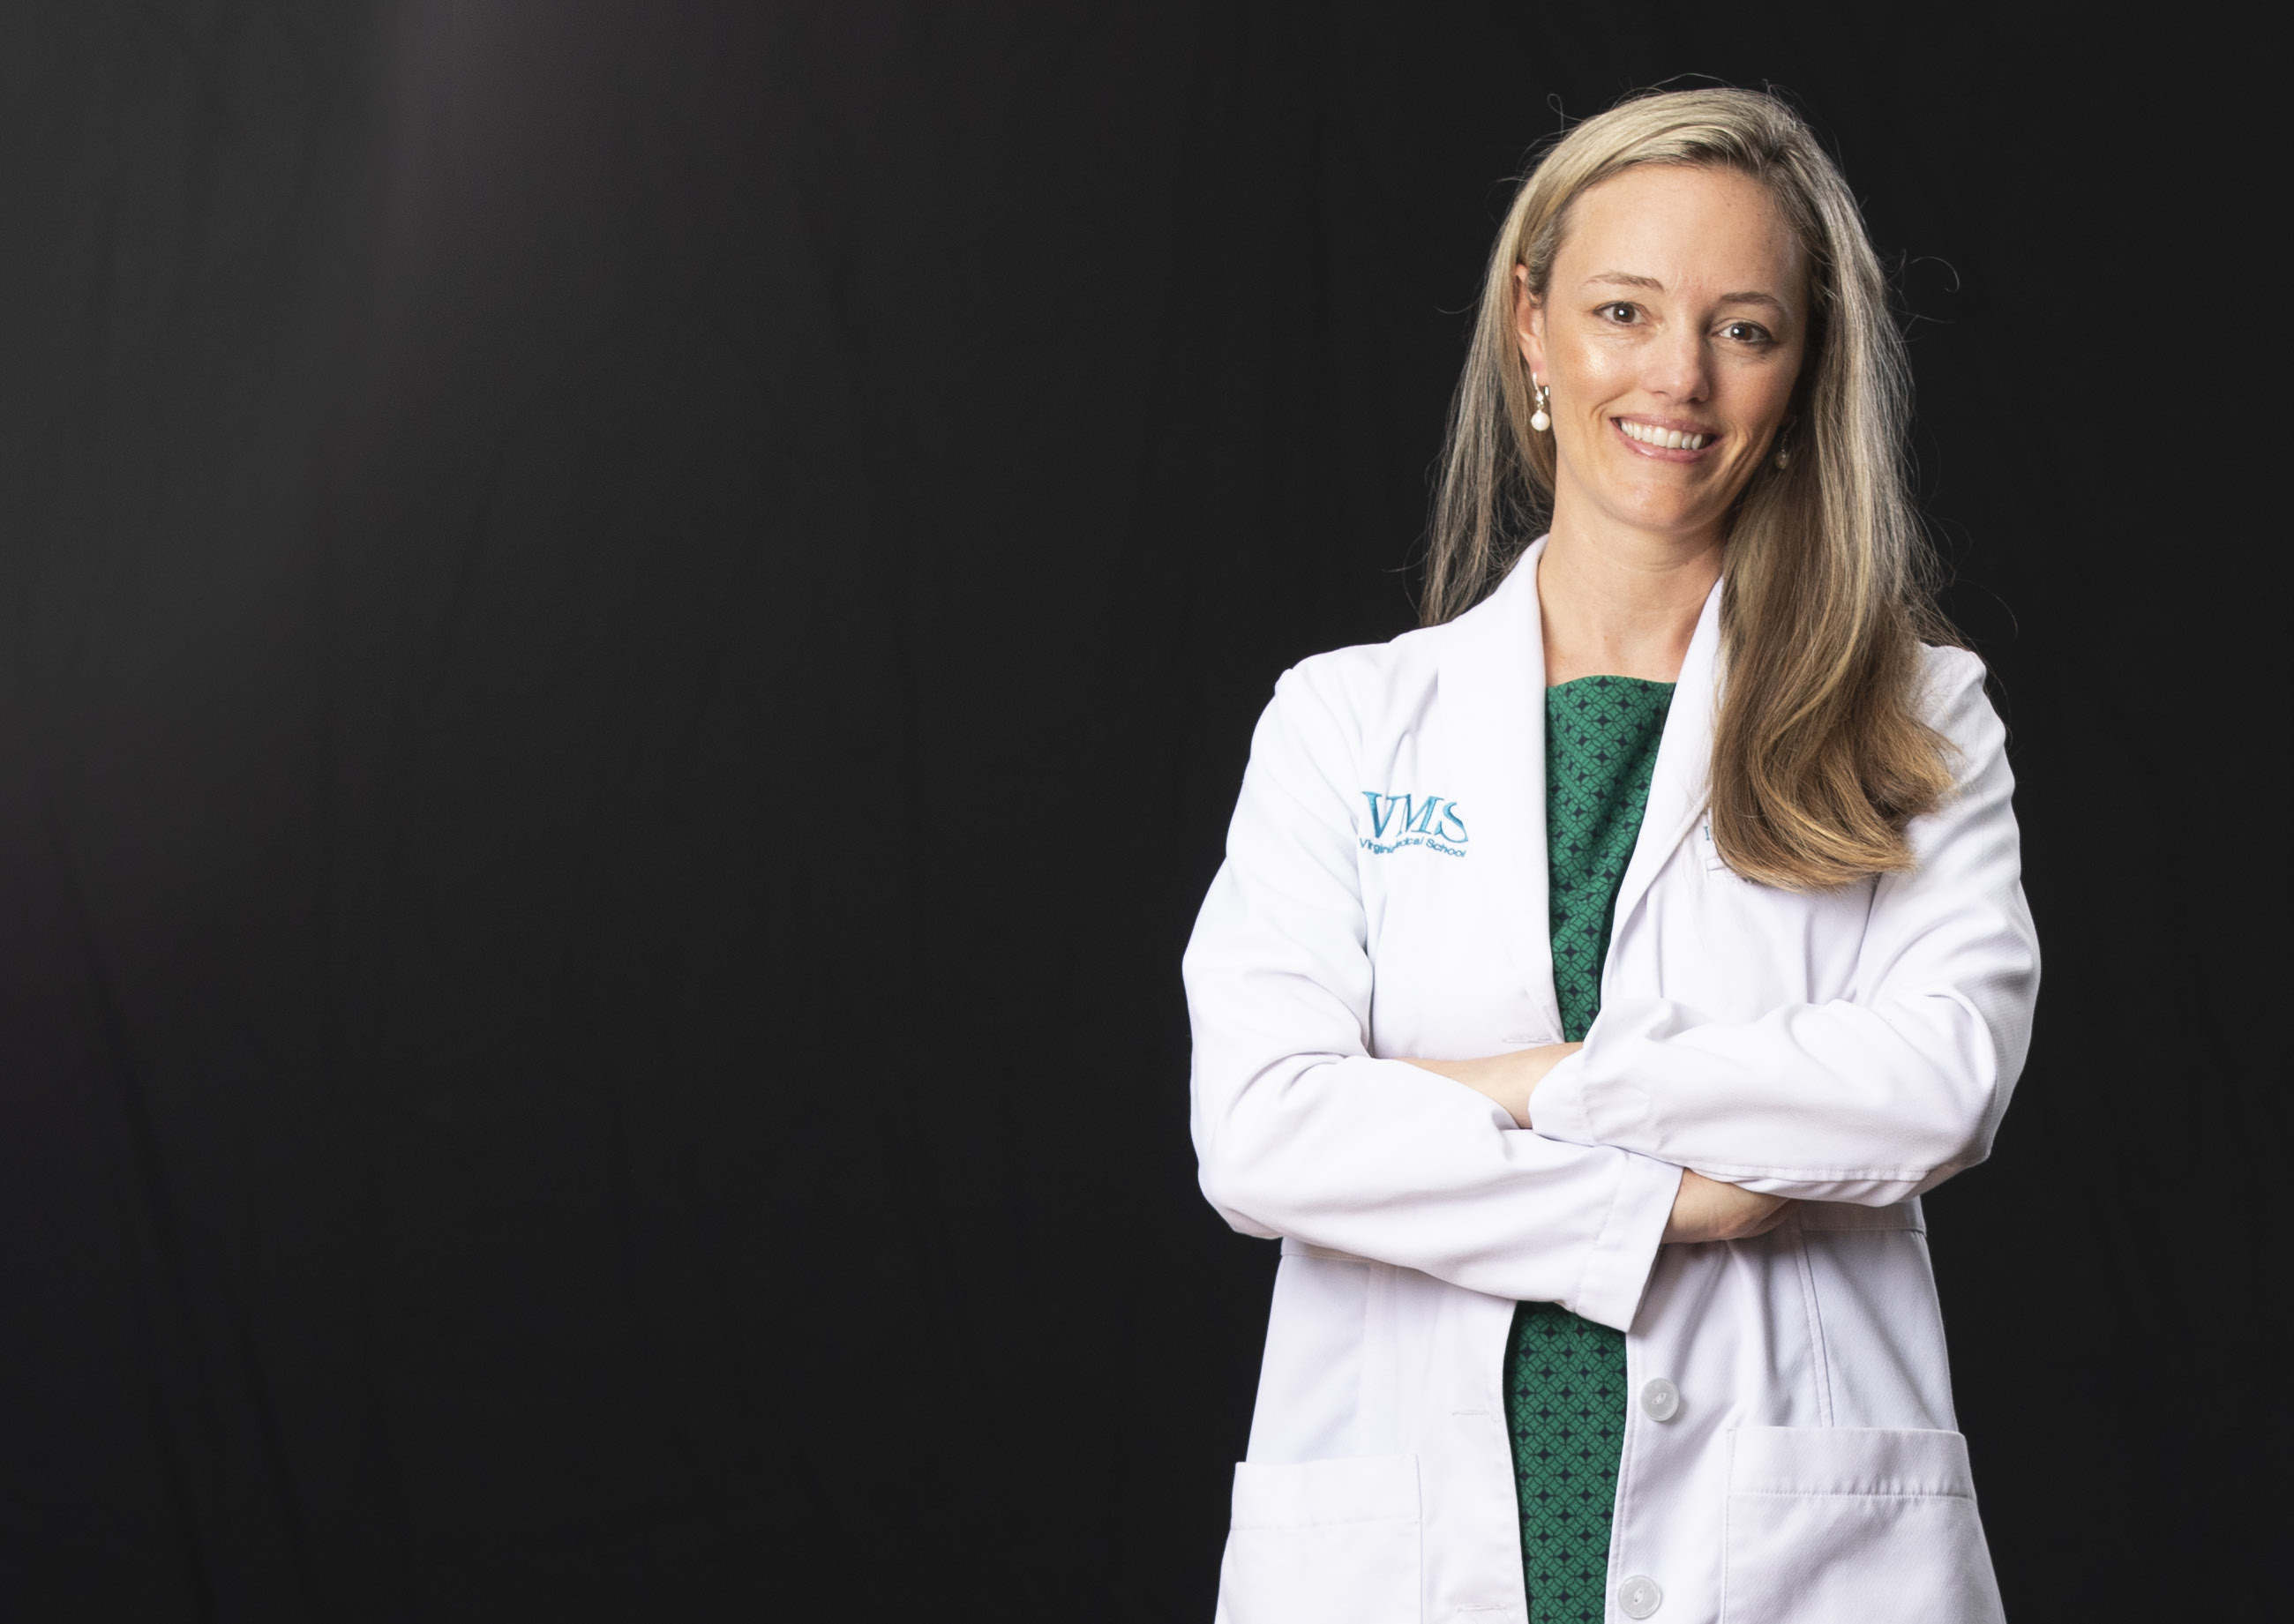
(1790, 1454)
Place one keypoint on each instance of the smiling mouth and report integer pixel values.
(1663, 439)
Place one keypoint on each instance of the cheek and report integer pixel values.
(1767, 395)
(1594, 371)
(1591, 381)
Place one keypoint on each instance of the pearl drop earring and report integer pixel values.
(1538, 420)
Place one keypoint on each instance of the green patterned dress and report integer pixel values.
(1565, 1377)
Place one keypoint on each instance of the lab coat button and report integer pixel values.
(1662, 1400)
(1638, 1597)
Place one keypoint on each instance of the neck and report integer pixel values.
(1617, 602)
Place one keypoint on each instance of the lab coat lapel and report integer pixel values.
(1684, 755)
(1492, 689)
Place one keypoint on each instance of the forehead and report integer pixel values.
(1686, 227)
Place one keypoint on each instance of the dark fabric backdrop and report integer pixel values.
(629, 629)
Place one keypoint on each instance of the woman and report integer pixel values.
(1599, 975)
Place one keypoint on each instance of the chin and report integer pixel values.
(1665, 517)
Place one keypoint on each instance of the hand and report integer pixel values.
(1509, 1079)
(1706, 1209)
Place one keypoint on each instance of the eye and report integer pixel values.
(1623, 311)
(1748, 332)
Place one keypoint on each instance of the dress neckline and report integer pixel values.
(1639, 682)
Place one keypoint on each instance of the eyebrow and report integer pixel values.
(1626, 279)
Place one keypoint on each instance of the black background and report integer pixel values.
(629, 629)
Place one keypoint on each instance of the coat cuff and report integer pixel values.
(1559, 1108)
(1617, 1269)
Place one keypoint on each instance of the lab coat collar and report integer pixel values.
(1678, 788)
(1493, 692)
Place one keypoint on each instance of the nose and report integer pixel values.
(1677, 365)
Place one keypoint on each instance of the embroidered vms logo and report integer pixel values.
(1396, 821)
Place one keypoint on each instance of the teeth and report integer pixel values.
(1670, 439)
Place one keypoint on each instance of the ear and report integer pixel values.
(1529, 322)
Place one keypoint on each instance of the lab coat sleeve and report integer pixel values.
(1300, 1132)
(1874, 1097)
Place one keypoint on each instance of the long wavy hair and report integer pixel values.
(1819, 755)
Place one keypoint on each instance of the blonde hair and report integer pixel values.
(1819, 756)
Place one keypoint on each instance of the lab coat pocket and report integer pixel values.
(1827, 1523)
(1323, 1542)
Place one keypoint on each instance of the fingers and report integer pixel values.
(1770, 1219)
(1707, 1209)
(1784, 1210)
